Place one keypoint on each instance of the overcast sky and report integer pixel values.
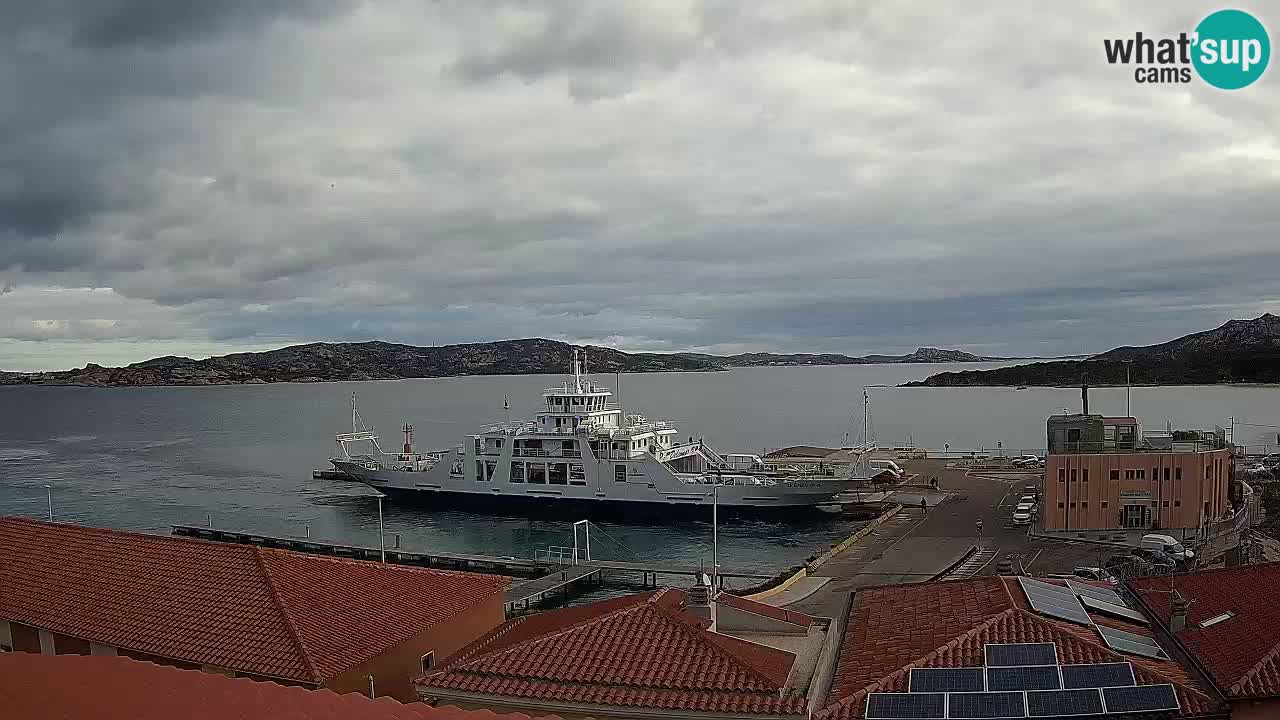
(199, 178)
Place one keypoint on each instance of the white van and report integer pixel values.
(879, 466)
(1166, 543)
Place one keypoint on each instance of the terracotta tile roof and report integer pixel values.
(636, 651)
(769, 611)
(894, 628)
(1241, 654)
(256, 610)
(78, 687)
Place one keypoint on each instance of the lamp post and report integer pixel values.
(382, 540)
(715, 534)
(48, 491)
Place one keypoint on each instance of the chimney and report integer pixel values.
(700, 602)
(1084, 396)
(1178, 615)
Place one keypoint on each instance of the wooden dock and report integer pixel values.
(522, 595)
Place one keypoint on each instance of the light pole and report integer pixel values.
(48, 491)
(382, 540)
(715, 534)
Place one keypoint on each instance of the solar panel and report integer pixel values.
(1010, 654)
(1040, 677)
(1096, 592)
(947, 680)
(1140, 698)
(1128, 642)
(1054, 601)
(1064, 703)
(1112, 609)
(986, 705)
(918, 706)
(1097, 676)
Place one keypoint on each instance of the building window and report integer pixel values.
(1084, 475)
(1073, 506)
(1207, 469)
(1074, 474)
(1206, 508)
(1142, 473)
(1128, 474)
(619, 473)
(1166, 474)
(1060, 506)
(1115, 474)
(1062, 475)
(1177, 503)
(1165, 503)
(1084, 505)
(1177, 473)
(1104, 504)
(428, 661)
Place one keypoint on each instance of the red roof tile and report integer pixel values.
(636, 651)
(77, 687)
(1241, 653)
(894, 628)
(769, 611)
(256, 610)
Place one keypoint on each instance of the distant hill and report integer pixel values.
(1239, 351)
(921, 355)
(317, 362)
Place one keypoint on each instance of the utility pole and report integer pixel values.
(382, 545)
(48, 491)
(715, 534)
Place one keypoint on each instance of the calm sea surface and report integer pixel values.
(146, 458)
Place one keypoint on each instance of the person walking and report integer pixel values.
(924, 507)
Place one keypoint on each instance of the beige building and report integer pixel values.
(1103, 473)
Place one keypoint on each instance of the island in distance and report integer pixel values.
(1239, 351)
(321, 362)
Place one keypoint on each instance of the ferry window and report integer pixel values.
(1177, 473)
(499, 442)
(490, 466)
(577, 476)
(479, 471)
(517, 472)
(619, 473)
(1115, 474)
(537, 474)
(559, 474)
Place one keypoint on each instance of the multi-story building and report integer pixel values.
(1104, 473)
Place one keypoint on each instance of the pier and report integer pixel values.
(541, 579)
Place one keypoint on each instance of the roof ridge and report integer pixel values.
(284, 613)
(1257, 667)
(674, 618)
(464, 657)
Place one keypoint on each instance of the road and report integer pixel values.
(915, 546)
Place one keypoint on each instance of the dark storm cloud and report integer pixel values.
(811, 175)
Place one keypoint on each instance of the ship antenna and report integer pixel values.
(506, 407)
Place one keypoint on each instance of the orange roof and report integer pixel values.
(1241, 653)
(893, 628)
(636, 651)
(256, 610)
(79, 687)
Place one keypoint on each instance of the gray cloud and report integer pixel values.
(829, 176)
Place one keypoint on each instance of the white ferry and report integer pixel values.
(580, 453)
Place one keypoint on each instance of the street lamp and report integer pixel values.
(382, 540)
(48, 491)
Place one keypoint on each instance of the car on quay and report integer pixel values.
(1027, 461)
(1095, 573)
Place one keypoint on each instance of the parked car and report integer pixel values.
(1028, 500)
(1027, 461)
(1031, 490)
(882, 466)
(1168, 545)
(1154, 557)
(1022, 514)
(1095, 573)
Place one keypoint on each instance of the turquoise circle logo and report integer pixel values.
(1232, 49)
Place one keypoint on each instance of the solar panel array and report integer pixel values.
(1021, 680)
(1095, 591)
(1132, 643)
(1055, 601)
(1112, 609)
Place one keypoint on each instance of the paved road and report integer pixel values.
(914, 547)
